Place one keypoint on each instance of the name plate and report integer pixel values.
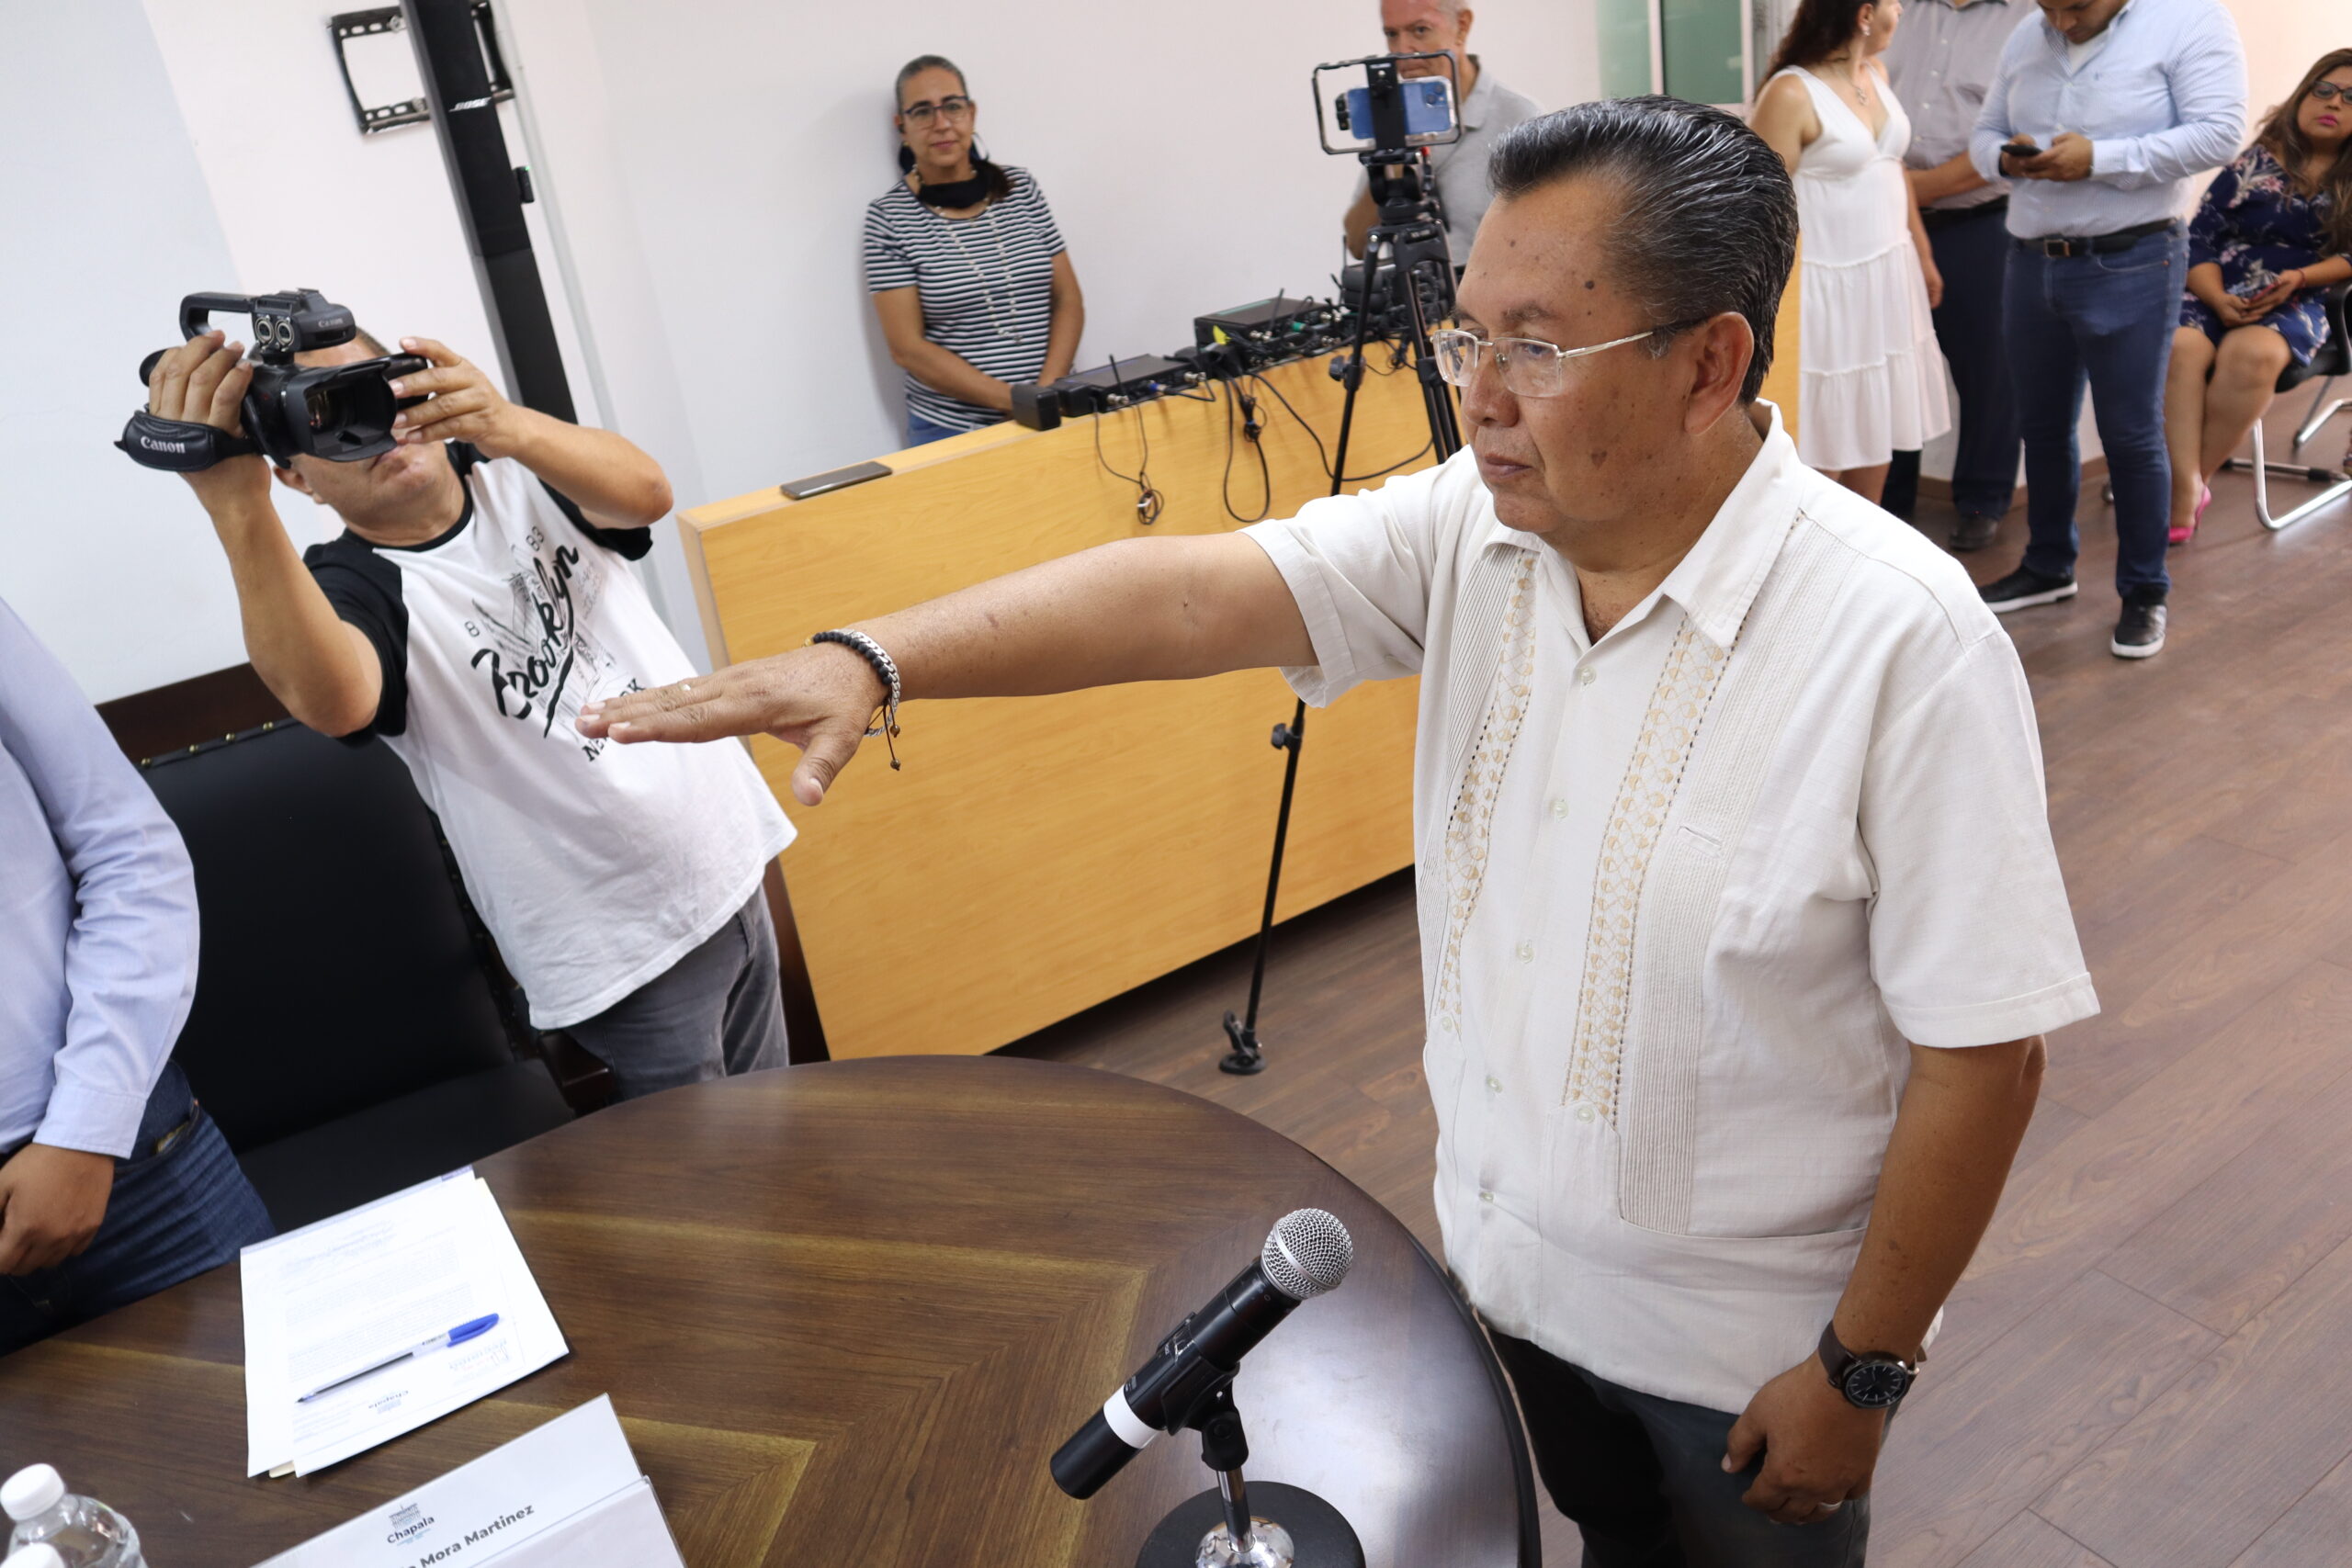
(567, 1492)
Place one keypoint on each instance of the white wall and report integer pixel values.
(107, 223)
(712, 163)
(2282, 39)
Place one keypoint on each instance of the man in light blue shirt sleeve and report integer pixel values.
(2100, 113)
(113, 1183)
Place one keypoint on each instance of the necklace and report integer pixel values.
(1860, 90)
(1007, 326)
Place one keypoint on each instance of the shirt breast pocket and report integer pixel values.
(2117, 98)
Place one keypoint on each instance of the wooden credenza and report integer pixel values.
(1039, 855)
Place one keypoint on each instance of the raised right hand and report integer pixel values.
(203, 381)
(819, 699)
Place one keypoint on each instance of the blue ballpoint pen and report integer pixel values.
(457, 1335)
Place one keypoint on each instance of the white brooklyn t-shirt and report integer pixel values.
(596, 866)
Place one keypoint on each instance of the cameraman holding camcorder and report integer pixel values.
(475, 601)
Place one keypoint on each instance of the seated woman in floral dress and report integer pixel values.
(2271, 235)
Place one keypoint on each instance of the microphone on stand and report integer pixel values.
(1307, 1253)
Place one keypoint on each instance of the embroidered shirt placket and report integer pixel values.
(1470, 826)
(1653, 773)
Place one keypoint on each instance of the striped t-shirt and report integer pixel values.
(987, 283)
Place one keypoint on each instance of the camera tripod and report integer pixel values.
(1408, 245)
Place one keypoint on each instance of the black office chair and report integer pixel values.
(346, 1034)
(2333, 358)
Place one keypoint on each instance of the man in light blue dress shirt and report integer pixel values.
(1941, 62)
(2123, 102)
(113, 1182)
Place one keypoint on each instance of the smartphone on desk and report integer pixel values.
(832, 480)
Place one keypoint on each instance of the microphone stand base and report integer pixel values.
(1246, 1056)
(1320, 1535)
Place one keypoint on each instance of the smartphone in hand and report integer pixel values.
(2020, 149)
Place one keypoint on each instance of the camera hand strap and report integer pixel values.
(178, 446)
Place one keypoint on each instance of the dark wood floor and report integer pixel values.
(2150, 1363)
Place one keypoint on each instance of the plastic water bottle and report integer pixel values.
(40, 1554)
(82, 1531)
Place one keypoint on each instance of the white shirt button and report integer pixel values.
(1494, 1085)
(1585, 676)
(1585, 1111)
(1560, 808)
(1445, 1022)
(1527, 953)
(1486, 1197)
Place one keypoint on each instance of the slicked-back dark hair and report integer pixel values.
(1708, 216)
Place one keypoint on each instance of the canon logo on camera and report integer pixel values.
(155, 446)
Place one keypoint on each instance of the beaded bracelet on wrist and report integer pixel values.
(886, 668)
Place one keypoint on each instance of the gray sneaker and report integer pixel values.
(2140, 632)
(2023, 588)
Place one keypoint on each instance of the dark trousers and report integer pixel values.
(718, 1011)
(1643, 1478)
(173, 1214)
(2107, 319)
(1971, 252)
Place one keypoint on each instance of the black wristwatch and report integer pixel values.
(1871, 1379)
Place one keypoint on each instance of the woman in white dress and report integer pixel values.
(1869, 377)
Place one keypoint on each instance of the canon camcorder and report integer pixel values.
(340, 412)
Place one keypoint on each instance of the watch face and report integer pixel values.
(1876, 1385)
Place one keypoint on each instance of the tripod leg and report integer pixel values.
(1246, 1056)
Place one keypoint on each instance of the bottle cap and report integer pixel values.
(32, 1492)
(40, 1554)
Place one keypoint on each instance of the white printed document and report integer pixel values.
(568, 1495)
(340, 1312)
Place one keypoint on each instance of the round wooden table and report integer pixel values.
(845, 1313)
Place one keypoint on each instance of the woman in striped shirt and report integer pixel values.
(967, 271)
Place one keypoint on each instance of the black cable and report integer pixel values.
(1234, 394)
(1323, 453)
(1150, 502)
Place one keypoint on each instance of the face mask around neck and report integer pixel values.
(958, 193)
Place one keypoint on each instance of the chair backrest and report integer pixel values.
(2334, 357)
(338, 968)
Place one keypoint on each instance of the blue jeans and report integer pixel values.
(921, 431)
(2108, 319)
(171, 1215)
(1643, 1477)
(1972, 254)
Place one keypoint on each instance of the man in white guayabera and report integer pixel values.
(1740, 920)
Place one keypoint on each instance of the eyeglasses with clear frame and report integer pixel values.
(1529, 367)
(925, 112)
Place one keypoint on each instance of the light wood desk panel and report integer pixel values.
(1039, 855)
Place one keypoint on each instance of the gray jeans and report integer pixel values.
(1643, 1477)
(716, 1012)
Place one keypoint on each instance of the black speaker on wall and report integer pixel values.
(455, 42)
